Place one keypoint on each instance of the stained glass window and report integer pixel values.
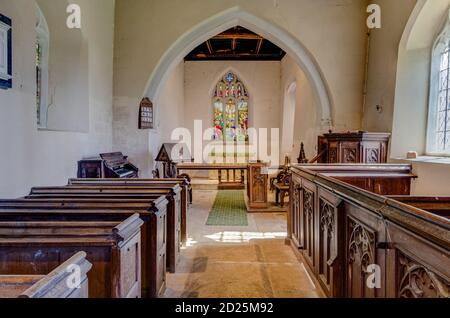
(230, 104)
(38, 81)
(443, 112)
(42, 61)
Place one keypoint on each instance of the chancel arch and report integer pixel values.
(290, 104)
(231, 18)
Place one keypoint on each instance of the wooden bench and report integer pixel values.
(340, 230)
(152, 212)
(53, 285)
(184, 182)
(439, 206)
(186, 193)
(173, 209)
(235, 173)
(113, 248)
(383, 179)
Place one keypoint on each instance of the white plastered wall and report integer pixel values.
(311, 27)
(30, 157)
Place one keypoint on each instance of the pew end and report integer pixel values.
(53, 285)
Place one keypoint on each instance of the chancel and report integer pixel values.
(225, 149)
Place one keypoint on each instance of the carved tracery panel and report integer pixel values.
(308, 218)
(361, 254)
(416, 281)
(327, 241)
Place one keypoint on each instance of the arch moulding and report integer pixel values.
(231, 18)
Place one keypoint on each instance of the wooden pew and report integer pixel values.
(439, 206)
(173, 209)
(344, 233)
(186, 193)
(53, 285)
(152, 212)
(113, 248)
(185, 183)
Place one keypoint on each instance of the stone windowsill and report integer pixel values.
(427, 159)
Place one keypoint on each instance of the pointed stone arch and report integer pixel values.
(231, 18)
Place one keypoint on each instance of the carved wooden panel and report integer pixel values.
(328, 249)
(257, 186)
(295, 216)
(333, 155)
(373, 156)
(349, 155)
(357, 147)
(343, 237)
(308, 217)
(415, 280)
(361, 253)
(130, 262)
(349, 152)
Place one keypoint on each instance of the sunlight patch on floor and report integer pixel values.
(243, 237)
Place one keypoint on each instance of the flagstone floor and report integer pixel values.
(233, 262)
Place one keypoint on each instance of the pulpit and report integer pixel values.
(353, 147)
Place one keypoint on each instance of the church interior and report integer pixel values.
(225, 149)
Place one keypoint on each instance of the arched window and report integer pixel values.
(438, 139)
(42, 56)
(230, 108)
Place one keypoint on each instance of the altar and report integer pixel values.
(230, 176)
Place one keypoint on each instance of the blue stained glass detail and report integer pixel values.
(230, 77)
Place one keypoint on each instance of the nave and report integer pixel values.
(224, 148)
(238, 262)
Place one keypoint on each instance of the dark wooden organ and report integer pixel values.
(108, 165)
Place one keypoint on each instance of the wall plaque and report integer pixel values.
(146, 114)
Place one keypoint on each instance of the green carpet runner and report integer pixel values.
(229, 209)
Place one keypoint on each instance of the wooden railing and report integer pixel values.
(360, 244)
(231, 176)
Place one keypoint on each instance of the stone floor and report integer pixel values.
(235, 262)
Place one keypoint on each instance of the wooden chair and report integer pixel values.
(281, 185)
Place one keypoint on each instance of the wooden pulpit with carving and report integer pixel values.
(353, 147)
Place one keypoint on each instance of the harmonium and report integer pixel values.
(107, 165)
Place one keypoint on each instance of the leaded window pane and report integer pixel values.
(230, 103)
(443, 110)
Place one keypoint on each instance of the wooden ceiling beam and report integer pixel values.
(237, 37)
(259, 46)
(234, 44)
(233, 56)
(210, 48)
